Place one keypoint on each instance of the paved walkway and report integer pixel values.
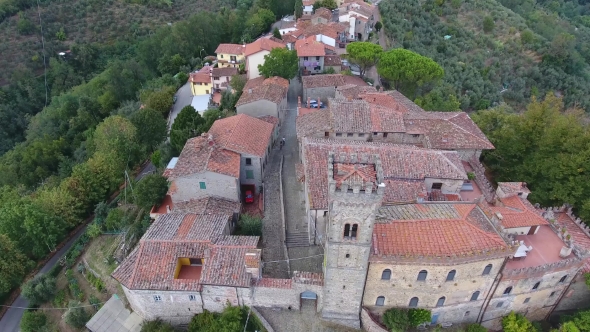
(184, 98)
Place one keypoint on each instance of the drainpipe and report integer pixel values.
(491, 294)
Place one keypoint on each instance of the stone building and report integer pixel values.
(263, 97)
(323, 87)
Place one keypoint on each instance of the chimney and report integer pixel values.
(308, 101)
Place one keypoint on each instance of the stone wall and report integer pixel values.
(259, 108)
(262, 320)
(484, 185)
(576, 297)
(322, 93)
(369, 324)
(220, 185)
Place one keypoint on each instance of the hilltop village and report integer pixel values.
(368, 203)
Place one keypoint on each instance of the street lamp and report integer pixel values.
(200, 53)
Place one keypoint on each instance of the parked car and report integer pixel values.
(174, 99)
(315, 104)
(249, 197)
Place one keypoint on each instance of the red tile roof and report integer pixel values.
(518, 212)
(234, 49)
(320, 81)
(202, 76)
(273, 89)
(272, 283)
(270, 119)
(434, 230)
(153, 263)
(312, 121)
(332, 60)
(198, 156)
(208, 204)
(580, 237)
(227, 71)
(398, 191)
(323, 13)
(399, 162)
(262, 44)
(513, 187)
(289, 38)
(351, 91)
(243, 134)
(309, 47)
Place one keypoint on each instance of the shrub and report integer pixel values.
(516, 323)
(418, 316)
(488, 24)
(33, 321)
(250, 225)
(39, 289)
(59, 301)
(471, 175)
(76, 315)
(396, 319)
(475, 328)
(156, 326)
(95, 302)
(150, 191)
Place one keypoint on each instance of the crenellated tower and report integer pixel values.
(356, 190)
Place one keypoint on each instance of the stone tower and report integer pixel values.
(355, 193)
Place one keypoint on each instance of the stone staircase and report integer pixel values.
(298, 239)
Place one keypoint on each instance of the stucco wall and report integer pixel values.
(253, 61)
(311, 68)
(226, 57)
(255, 167)
(215, 298)
(259, 108)
(326, 40)
(201, 89)
(519, 230)
(216, 185)
(449, 186)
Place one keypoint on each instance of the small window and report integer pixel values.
(317, 58)
(192, 298)
(249, 174)
(338, 134)
(563, 278)
(536, 285)
(346, 230)
(508, 290)
(248, 161)
(157, 298)
(349, 135)
(474, 296)
(354, 230)
(422, 275)
(552, 293)
(384, 135)
(202, 185)
(413, 302)
(441, 301)
(361, 135)
(386, 274)
(206, 91)
(487, 270)
(451, 275)
(467, 313)
(437, 185)
(221, 56)
(380, 301)
(500, 304)
(195, 261)
(527, 300)
(347, 255)
(305, 58)
(415, 135)
(375, 134)
(215, 78)
(327, 134)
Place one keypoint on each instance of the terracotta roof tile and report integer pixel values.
(397, 191)
(289, 38)
(260, 45)
(243, 134)
(236, 49)
(270, 119)
(227, 71)
(273, 89)
(399, 162)
(272, 283)
(431, 230)
(328, 80)
(208, 204)
(332, 60)
(198, 156)
(351, 91)
(310, 123)
(202, 76)
(323, 13)
(580, 238)
(518, 212)
(513, 187)
(309, 47)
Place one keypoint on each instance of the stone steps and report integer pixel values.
(300, 239)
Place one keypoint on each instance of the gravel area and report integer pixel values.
(305, 320)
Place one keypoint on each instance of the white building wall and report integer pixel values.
(326, 40)
(216, 184)
(253, 61)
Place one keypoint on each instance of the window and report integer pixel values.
(347, 255)
(350, 232)
(216, 78)
(192, 298)
(527, 300)
(380, 301)
(157, 298)
(508, 290)
(221, 56)
(195, 261)
(346, 230)
(375, 134)
(422, 275)
(354, 230)
(552, 293)
(441, 301)
(487, 270)
(451, 275)
(437, 185)
(361, 135)
(467, 313)
(206, 91)
(536, 285)
(317, 58)
(202, 185)
(249, 161)
(563, 278)
(474, 296)
(500, 304)
(305, 58)
(327, 134)
(249, 174)
(386, 274)
(338, 134)
(384, 135)
(415, 135)
(413, 302)
(349, 135)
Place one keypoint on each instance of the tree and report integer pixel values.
(280, 62)
(117, 137)
(418, 316)
(276, 33)
(408, 70)
(488, 24)
(186, 125)
(237, 83)
(150, 191)
(13, 265)
(396, 320)
(161, 100)
(157, 326)
(516, 323)
(250, 225)
(527, 37)
(378, 26)
(204, 322)
(569, 327)
(76, 315)
(363, 54)
(440, 100)
(475, 328)
(151, 128)
(298, 8)
(330, 4)
(39, 289)
(33, 321)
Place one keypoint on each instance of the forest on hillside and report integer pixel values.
(63, 159)
(498, 51)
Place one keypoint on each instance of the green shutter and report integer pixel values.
(249, 174)
(202, 185)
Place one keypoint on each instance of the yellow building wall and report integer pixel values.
(223, 60)
(181, 261)
(203, 89)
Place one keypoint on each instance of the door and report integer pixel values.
(434, 318)
(532, 230)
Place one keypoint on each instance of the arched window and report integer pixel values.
(474, 296)
(386, 274)
(487, 270)
(451, 275)
(380, 301)
(350, 232)
(422, 275)
(346, 230)
(413, 302)
(536, 285)
(441, 301)
(508, 290)
(563, 278)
